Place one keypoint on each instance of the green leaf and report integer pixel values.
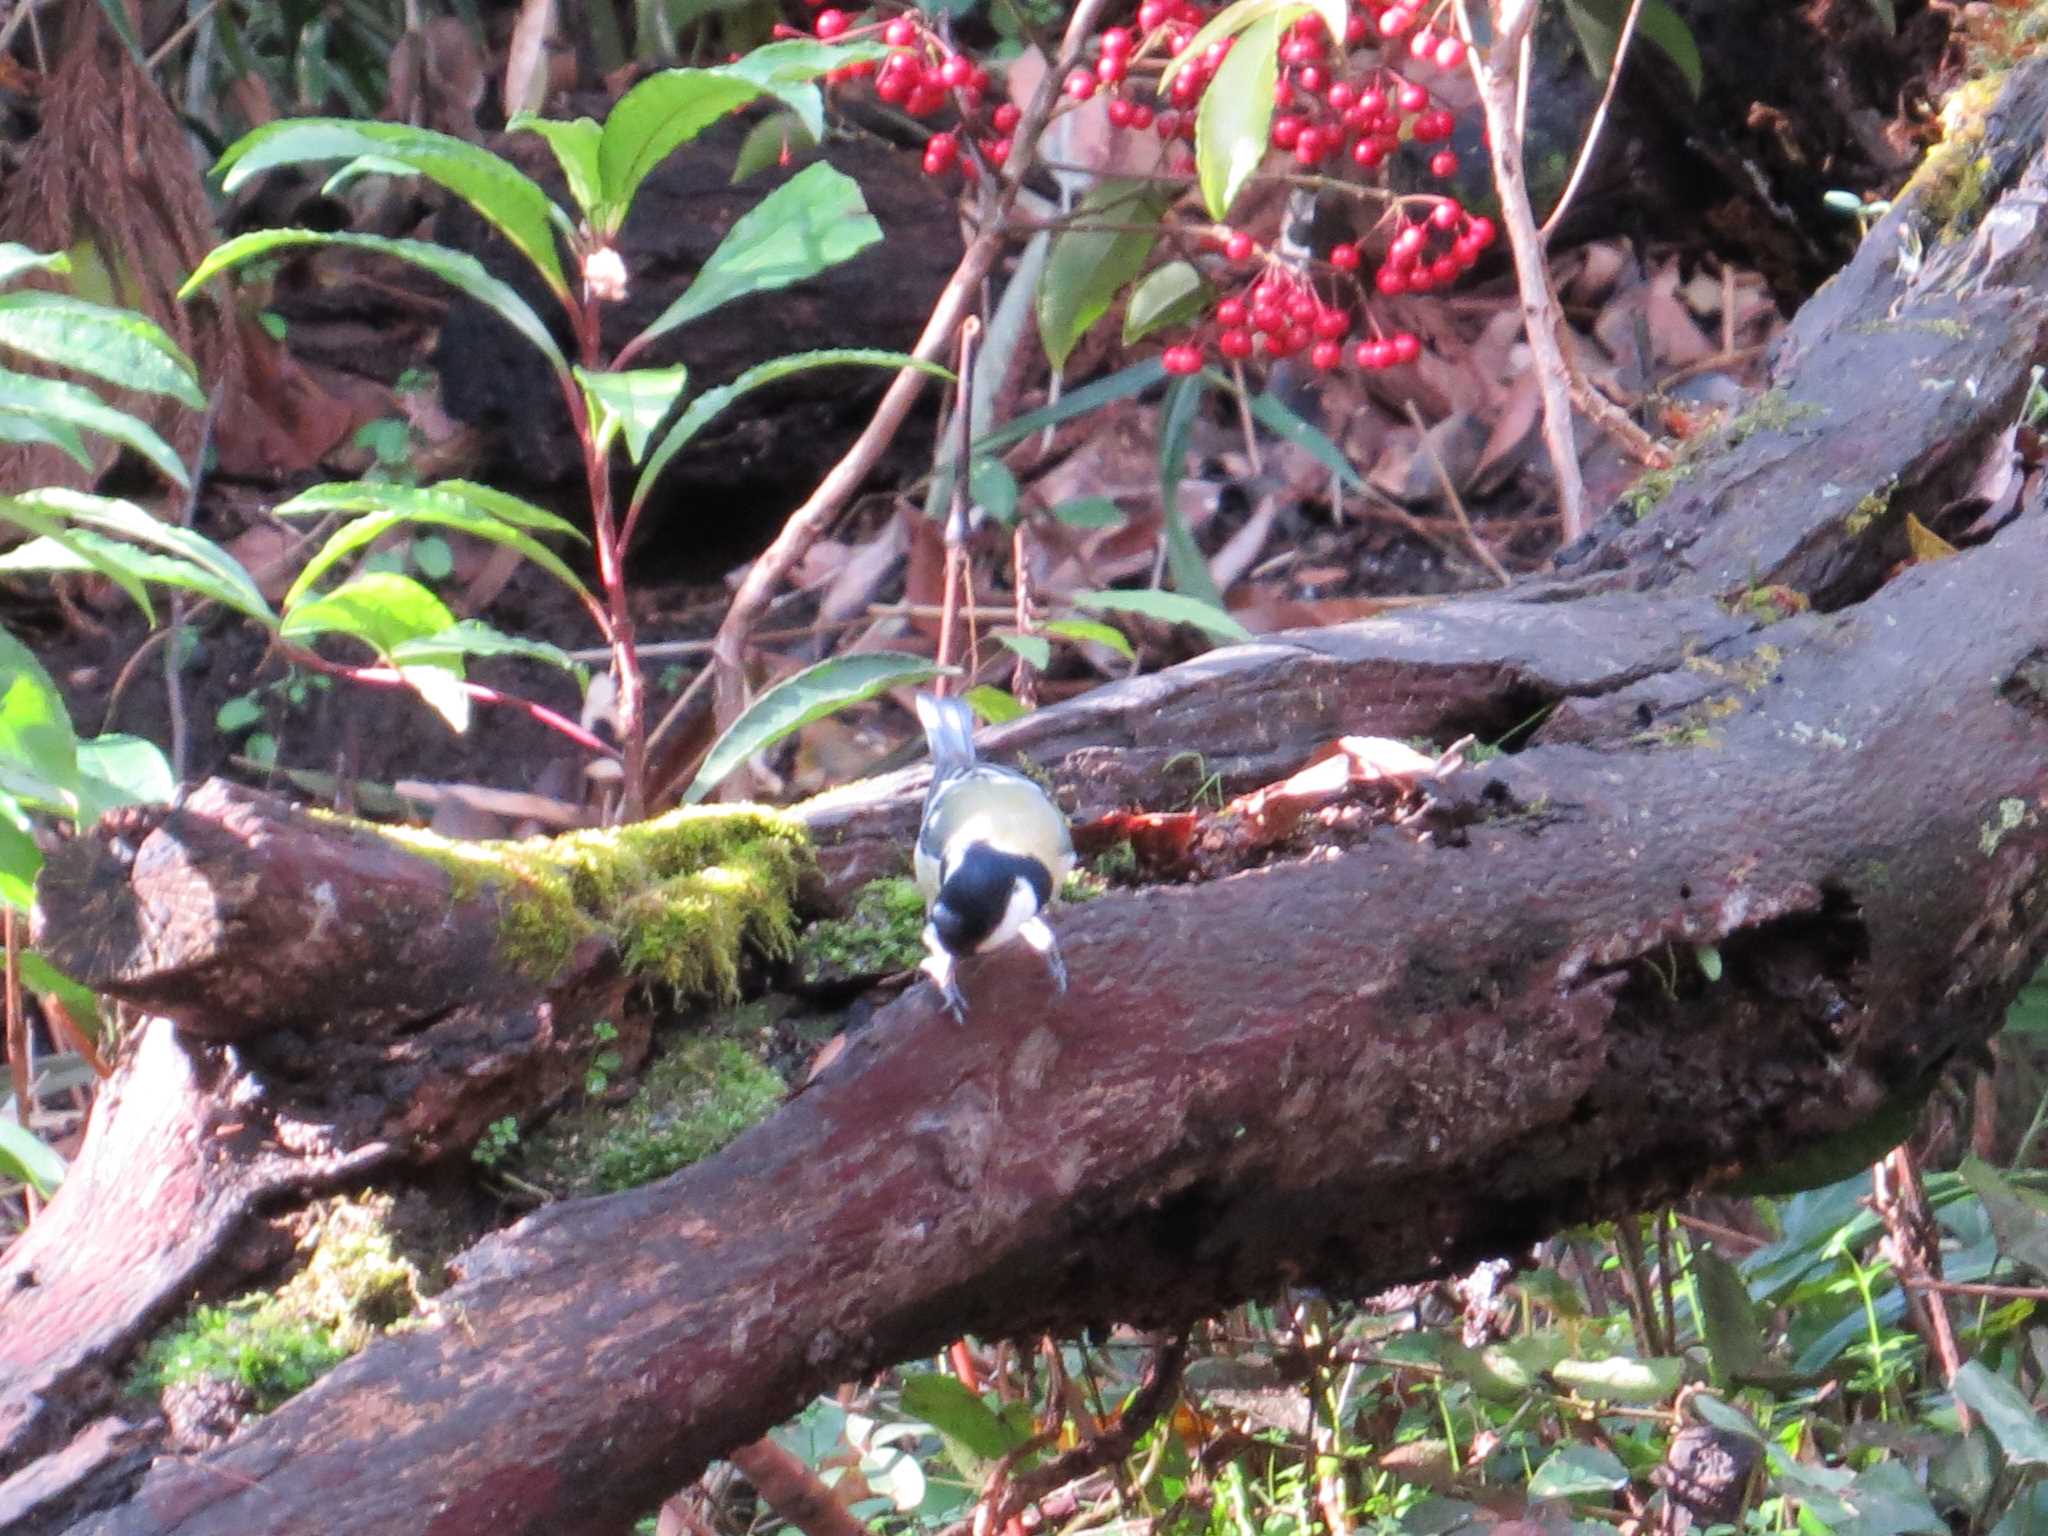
(2013, 1421)
(994, 489)
(237, 714)
(1719, 1415)
(508, 508)
(1167, 608)
(116, 770)
(654, 119)
(16, 259)
(957, 1414)
(793, 703)
(473, 637)
(21, 860)
(701, 410)
(27, 1157)
(1622, 1378)
(1171, 295)
(632, 403)
(813, 221)
(1598, 25)
(1728, 1318)
(1088, 268)
(1239, 15)
(1184, 560)
(1090, 512)
(57, 434)
(387, 506)
(2019, 1217)
(73, 405)
(150, 549)
(575, 144)
(508, 199)
(432, 557)
(996, 706)
(1035, 649)
(458, 269)
(1281, 419)
(787, 68)
(1088, 629)
(1121, 385)
(117, 345)
(1234, 123)
(38, 751)
(380, 608)
(1578, 1472)
(439, 685)
(769, 142)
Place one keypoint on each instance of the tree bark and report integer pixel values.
(1773, 856)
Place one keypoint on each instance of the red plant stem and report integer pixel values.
(391, 677)
(810, 520)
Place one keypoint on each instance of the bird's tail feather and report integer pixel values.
(948, 732)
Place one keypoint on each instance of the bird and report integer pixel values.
(992, 852)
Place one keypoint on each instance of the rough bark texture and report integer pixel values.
(1374, 1063)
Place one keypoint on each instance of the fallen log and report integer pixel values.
(1768, 736)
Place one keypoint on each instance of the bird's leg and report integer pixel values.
(939, 965)
(1039, 935)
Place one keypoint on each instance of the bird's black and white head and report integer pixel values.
(986, 896)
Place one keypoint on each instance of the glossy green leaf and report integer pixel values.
(1035, 649)
(1282, 420)
(117, 345)
(1121, 385)
(1241, 14)
(995, 706)
(775, 140)
(380, 608)
(458, 269)
(116, 770)
(473, 637)
(575, 144)
(1090, 512)
(1170, 295)
(1598, 25)
(657, 117)
(1089, 267)
(508, 199)
(1716, 1414)
(700, 411)
(1184, 560)
(1578, 1472)
(508, 508)
(632, 404)
(16, 259)
(2014, 1421)
(154, 550)
(21, 859)
(1234, 122)
(795, 702)
(786, 69)
(38, 751)
(1167, 608)
(994, 489)
(1622, 1378)
(387, 506)
(26, 1157)
(60, 435)
(1089, 630)
(1728, 1317)
(815, 220)
(957, 1414)
(73, 405)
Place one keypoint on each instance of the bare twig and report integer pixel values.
(810, 520)
(1564, 198)
(957, 575)
(1915, 1246)
(1162, 1379)
(17, 1039)
(795, 1492)
(1457, 505)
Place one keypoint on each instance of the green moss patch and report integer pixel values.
(879, 936)
(679, 896)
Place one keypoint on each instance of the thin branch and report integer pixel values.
(1162, 1379)
(810, 520)
(1457, 505)
(1564, 199)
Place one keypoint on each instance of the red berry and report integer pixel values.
(1341, 95)
(1230, 313)
(1406, 346)
(900, 33)
(1395, 20)
(1332, 324)
(1167, 124)
(1141, 115)
(832, 24)
(1423, 44)
(1444, 163)
(1239, 246)
(1481, 231)
(1119, 112)
(924, 100)
(1109, 69)
(1287, 131)
(1117, 41)
(996, 150)
(1372, 101)
(1311, 79)
(1268, 317)
(1327, 355)
(1005, 118)
(1303, 308)
(1391, 281)
(1344, 258)
(1080, 85)
(1152, 13)
(1368, 152)
(957, 71)
(1309, 145)
(1183, 359)
(1410, 97)
(1407, 243)
(1365, 354)
(1445, 215)
(1443, 271)
(1450, 53)
(1235, 344)
(1354, 29)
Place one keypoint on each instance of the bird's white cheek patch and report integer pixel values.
(1021, 909)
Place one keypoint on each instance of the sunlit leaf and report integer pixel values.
(440, 688)
(1035, 649)
(508, 199)
(1622, 1378)
(995, 706)
(36, 739)
(473, 637)
(1578, 1472)
(957, 1414)
(815, 220)
(60, 435)
(16, 259)
(1167, 608)
(1278, 417)
(1088, 629)
(380, 608)
(993, 488)
(1171, 295)
(657, 117)
(458, 269)
(1090, 512)
(117, 345)
(21, 859)
(795, 702)
(575, 144)
(2019, 1216)
(632, 403)
(1089, 267)
(155, 550)
(116, 770)
(27, 1158)
(1234, 122)
(772, 141)
(74, 405)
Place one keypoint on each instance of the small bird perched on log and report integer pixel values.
(992, 851)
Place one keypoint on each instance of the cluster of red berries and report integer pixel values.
(1334, 101)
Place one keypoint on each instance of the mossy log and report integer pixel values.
(1766, 734)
